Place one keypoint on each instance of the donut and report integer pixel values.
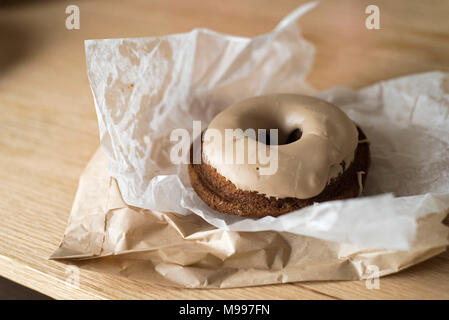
(297, 151)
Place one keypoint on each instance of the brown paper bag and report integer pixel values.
(106, 235)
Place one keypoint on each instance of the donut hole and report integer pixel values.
(283, 138)
(295, 135)
(288, 129)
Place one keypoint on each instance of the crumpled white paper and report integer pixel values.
(144, 88)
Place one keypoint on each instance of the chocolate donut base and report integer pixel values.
(222, 195)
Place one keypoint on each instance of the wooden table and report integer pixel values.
(48, 127)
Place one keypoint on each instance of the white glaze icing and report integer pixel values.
(305, 166)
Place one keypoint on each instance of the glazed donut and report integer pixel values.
(297, 151)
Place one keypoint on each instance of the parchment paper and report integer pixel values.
(145, 221)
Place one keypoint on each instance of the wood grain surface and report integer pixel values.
(48, 127)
